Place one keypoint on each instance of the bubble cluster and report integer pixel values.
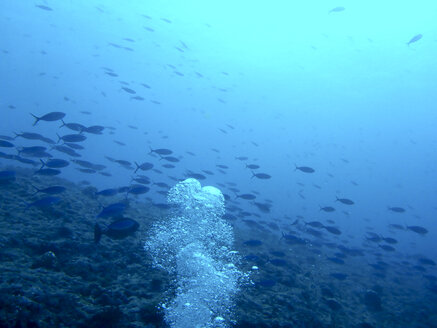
(196, 246)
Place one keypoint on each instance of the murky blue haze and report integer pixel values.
(345, 88)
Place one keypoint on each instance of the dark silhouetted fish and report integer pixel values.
(345, 201)
(128, 90)
(74, 146)
(55, 163)
(336, 10)
(73, 126)
(112, 210)
(138, 190)
(6, 144)
(327, 209)
(143, 167)
(49, 117)
(72, 138)
(107, 192)
(118, 229)
(246, 196)
(94, 129)
(170, 159)
(67, 150)
(242, 158)
(53, 190)
(47, 172)
(315, 224)
(262, 176)
(7, 177)
(252, 166)
(418, 229)
(332, 230)
(253, 243)
(397, 209)
(415, 38)
(387, 248)
(44, 7)
(305, 169)
(161, 151)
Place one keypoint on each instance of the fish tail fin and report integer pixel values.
(63, 123)
(16, 135)
(43, 164)
(36, 119)
(253, 174)
(151, 150)
(295, 166)
(37, 189)
(97, 233)
(59, 138)
(136, 168)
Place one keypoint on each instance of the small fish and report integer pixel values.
(415, 38)
(94, 129)
(138, 190)
(262, 176)
(253, 243)
(336, 10)
(161, 151)
(7, 177)
(143, 167)
(128, 90)
(246, 196)
(48, 172)
(304, 169)
(345, 201)
(72, 138)
(54, 163)
(327, 209)
(49, 117)
(44, 7)
(115, 209)
(170, 159)
(333, 230)
(107, 192)
(397, 209)
(418, 229)
(53, 190)
(118, 229)
(73, 126)
(252, 166)
(6, 144)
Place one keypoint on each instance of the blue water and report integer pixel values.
(281, 83)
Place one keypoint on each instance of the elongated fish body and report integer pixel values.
(415, 39)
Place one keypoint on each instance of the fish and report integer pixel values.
(47, 172)
(242, 158)
(327, 209)
(333, 230)
(337, 10)
(387, 248)
(418, 229)
(6, 144)
(246, 196)
(170, 159)
(73, 126)
(252, 166)
(118, 229)
(7, 177)
(143, 167)
(138, 189)
(397, 209)
(94, 129)
(115, 209)
(262, 176)
(72, 138)
(305, 169)
(128, 90)
(49, 117)
(55, 163)
(315, 224)
(53, 190)
(44, 7)
(415, 38)
(161, 151)
(253, 243)
(345, 201)
(67, 150)
(7, 138)
(107, 192)
(74, 146)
